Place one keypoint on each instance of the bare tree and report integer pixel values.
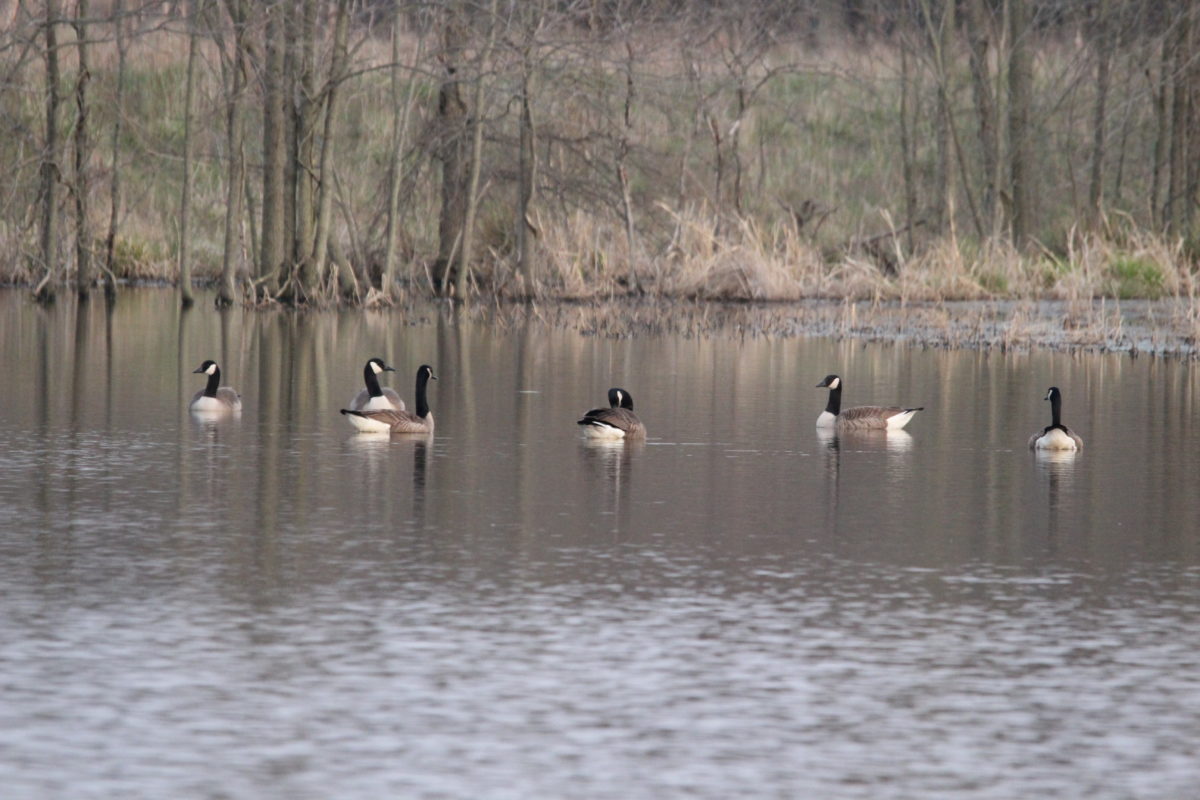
(235, 172)
(305, 112)
(1020, 144)
(83, 148)
(1101, 46)
(50, 171)
(274, 148)
(401, 112)
(1175, 209)
(475, 164)
(980, 35)
(531, 23)
(450, 137)
(186, 297)
(114, 214)
(941, 38)
(337, 71)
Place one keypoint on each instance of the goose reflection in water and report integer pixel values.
(895, 441)
(610, 458)
(1059, 468)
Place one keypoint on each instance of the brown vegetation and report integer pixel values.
(770, 150)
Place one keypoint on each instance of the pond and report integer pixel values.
(275, 606)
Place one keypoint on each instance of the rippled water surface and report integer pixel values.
(273, 606)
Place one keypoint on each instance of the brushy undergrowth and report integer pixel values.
(822, 132)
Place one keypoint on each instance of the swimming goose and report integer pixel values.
(616, 422)
(399, 421)
(374, 397)
(214, 397)
(863, 418)
(1055, 436)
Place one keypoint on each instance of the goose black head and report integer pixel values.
(377, 366)
(426, 371)
(830, 382)
(1052, 394)
(209, 367)
(620, 398)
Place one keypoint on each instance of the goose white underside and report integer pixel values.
(602, 432)
(366, 425)
(1055, 440)
(900, 420)
(894, 422)
(213, 405)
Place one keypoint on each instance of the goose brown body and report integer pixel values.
(214, 398)
(1055, 436)
(393, 420)
(860, 418)
(615, 422)
(373, 397)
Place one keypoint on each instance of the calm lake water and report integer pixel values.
(275, 607)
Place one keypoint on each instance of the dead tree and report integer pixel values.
(50, 171)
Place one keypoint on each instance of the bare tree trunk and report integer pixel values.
(401, 113)
(1020, 83)
(236, 169)
(1162, 125)
(50, 171)
(735, 138)
(290, 90)
(83, 228)
(337, 70)
(451, 113)
(1103, 58)
(985, 107)
(623, 174)
(185, 196)
(304, 155)
(274, 148)
(1174, 210)
(114, 200)
(526, 173)
(476, 161)
(1191, 197)
(906, 153)
(941, 35)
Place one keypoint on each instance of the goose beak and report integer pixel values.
(197, 370)
(432, 377)
(389, 369)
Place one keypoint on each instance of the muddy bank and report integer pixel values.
(1162, 327)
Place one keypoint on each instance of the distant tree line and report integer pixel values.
(362, 149)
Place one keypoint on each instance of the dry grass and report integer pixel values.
(824, 130)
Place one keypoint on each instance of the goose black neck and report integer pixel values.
(834, 406)
(1056, 411)
(214, 380)
(372, 381)
(422, 403)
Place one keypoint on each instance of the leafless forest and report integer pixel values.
(309, 152)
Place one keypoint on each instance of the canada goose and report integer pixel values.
(890, 418)
(1055, 436)
(399, 421)
(214, 397)
(374, 397)
(616, 422)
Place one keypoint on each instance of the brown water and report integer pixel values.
(277, 607)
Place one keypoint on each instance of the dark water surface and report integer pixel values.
(277, 607)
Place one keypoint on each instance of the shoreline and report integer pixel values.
(1167, 327)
